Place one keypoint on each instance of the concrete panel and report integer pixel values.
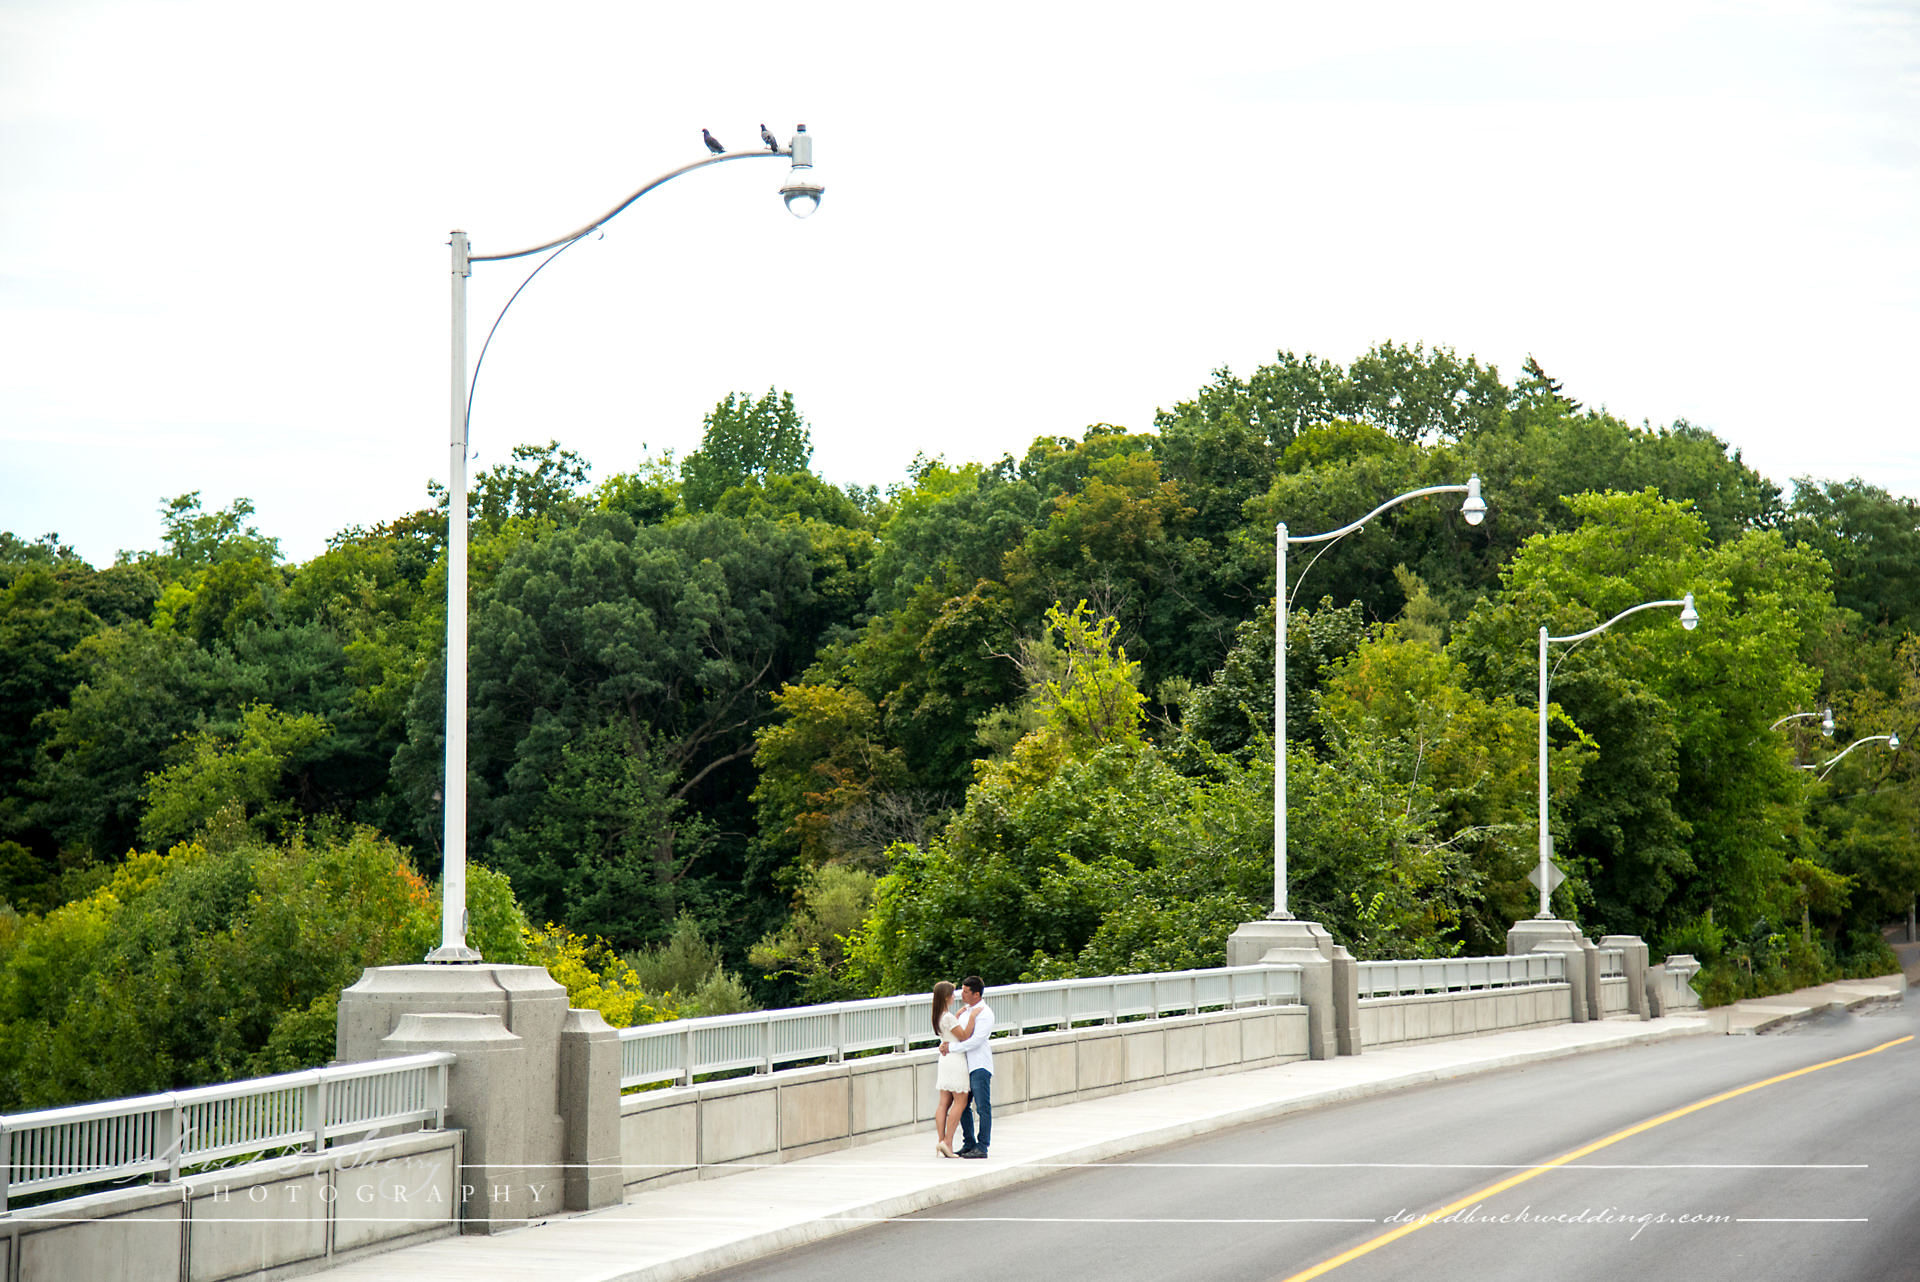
(1506, 1010)
(883, 1098)
(925, 1097)
(1051, 1070)
(1010, 1077)
(142, 1246)
(813, 1111)
(1102, 1062)
(1186, 1050)
(1258, 1036)
(659, 1141)
(1292, 1033)
(378, 1202)
(243, 1230)
(1146, 1053)
(737, 1126)
(1222, 1043)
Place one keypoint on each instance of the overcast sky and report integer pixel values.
(223, 228)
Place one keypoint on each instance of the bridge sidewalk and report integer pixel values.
(685, 1229)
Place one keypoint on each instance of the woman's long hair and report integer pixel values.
(942, 996)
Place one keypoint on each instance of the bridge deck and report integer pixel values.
(689, 1228)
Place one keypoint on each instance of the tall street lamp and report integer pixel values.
(1278, 937)
(1689, 619)
(1474, 510)
(801, 194)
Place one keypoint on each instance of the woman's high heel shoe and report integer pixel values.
(942, 1149)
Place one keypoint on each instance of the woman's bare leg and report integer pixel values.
(954, 1113)
(940, 1111)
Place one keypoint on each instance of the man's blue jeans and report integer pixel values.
(981, 1080)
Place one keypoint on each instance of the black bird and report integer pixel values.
(714, 145)
(768, 139)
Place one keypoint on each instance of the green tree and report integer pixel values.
(745, 438)
(1684, 804)
(1871, 539)
(214, 772)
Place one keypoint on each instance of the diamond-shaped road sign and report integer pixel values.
(1554, 876)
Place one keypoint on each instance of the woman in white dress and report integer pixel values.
(950, 1079)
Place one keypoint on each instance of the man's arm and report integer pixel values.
(982, 1029)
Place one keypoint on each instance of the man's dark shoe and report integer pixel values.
(966, 1150)
(973, 1152)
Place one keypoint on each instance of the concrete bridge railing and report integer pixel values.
(159, 1135)
(762, 1040)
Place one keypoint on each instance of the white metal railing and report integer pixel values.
(1459, 974)
(680, 1050)
(159, 1134)
(1613, 962)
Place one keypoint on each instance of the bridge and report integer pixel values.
(475, 1127)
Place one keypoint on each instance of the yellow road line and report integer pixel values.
(1460, 1204)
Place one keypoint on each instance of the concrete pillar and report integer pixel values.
(486, 1098)
(1307, 945)
(1635, 959)
(1546, 935)
(1346, 1001)
(590, 1103)
(1670, 987)
(510, 1099)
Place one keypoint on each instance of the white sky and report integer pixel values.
(223, 227)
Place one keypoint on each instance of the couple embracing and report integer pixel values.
(964, 1081)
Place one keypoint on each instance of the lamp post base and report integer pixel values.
(457, 955)
(1327, 977)
(1552, 935)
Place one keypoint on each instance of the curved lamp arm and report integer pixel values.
(607, 217)
(1687, 618)
(1825, 715)
(1343, 531)
(1892, 741)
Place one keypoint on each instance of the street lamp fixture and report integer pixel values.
(1474, 510)
(802, 191)
(1689, 619)
(1825, 715)
(802, 196)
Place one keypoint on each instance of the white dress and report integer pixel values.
(952, 1074)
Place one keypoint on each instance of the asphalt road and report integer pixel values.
(1814, 1177)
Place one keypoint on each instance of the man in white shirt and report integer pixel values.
(979, 1052)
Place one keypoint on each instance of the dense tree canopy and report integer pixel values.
(1012, 715)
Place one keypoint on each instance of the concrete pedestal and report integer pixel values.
(1307, 945)
(1551, 935)
(1635, 949)
(536, 1087)
(590, 1103)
